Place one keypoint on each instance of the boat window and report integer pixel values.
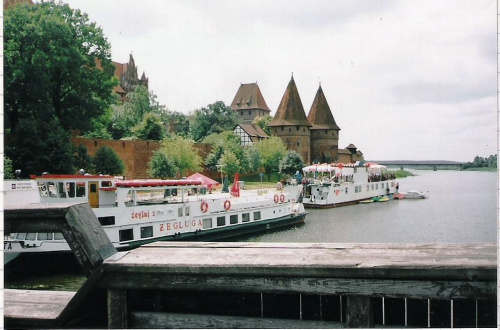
(346, 190)
(80, 189)
(355, 170)
(245, 217)
(221, 221)
(107, 221)
(20, 235)
(126, 235)
(51, 188)
(372, 186)
(31, 236)
(233, 219)
(207, 223)
(106, 184)
(187, 211)
(42, 189)
(367, 187)
(256, 216)
(61, 189)
(376, 186)
(146, 232)
(58, 236)
(179, 212)
(71, 187)
(44, 236)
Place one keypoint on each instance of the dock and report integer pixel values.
(257, 285)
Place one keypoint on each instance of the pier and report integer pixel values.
(255, 285)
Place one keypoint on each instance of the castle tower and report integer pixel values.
(324, 130)
(249, 103)
(290, 123)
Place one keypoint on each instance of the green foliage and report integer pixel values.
(182, 153)
(291, 163)
(252, 154)
(52, 83)
(215, 118)
(480, 163)
(50, 66)
(106, 161)
(140, 103)
(230, 163)
(8, 170)
(180, 123)
(263, 123)
(160, 166)
(151, 128)
(42, 147)
(82, 160)
(213, 158)
(221, 142)
(272, 151)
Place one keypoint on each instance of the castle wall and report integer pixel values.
(324, 144)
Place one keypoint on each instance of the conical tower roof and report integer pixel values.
(249, 96)
(290, 111)
(320, 115)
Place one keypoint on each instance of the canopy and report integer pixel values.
(318, 168)
(205, 180)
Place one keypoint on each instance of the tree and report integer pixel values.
(139, 104)
(160, 166)
(50, 60)
(82, 160)
(272, 151)
(291, 163)
(182, 153)
(8, 170)
(151, 128)
(254, 159)
(215, 118)
(106, 161)
(263, 123)
(179, 122)
(230, 163)
(58, 77)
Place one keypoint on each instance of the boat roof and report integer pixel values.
(73, 176)
(156, 183)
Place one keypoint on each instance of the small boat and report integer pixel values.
(414, 194)
(398, 196)
(136, 212)
(367, 201)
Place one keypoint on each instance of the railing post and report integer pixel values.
(359, 312)
(117, 309)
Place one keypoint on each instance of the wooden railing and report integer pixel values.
(251, 285)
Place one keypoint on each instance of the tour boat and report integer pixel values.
(136, 212)
(334, 185)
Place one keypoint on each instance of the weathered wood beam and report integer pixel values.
(117, 309)
(359, 312)
(156, 320)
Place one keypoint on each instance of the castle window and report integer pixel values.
(95, 143)
(282, 128)
(275, 130)
(289, 129)
(241, 113)
(123, 144)
(298, 128)
(333, 134)
(304, 130)
(250, 112)
(326, 132)
(298, 144)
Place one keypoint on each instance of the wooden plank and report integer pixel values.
(307, 285)
(34, 308)
(155, 320)
(117, 309)
(450, 263)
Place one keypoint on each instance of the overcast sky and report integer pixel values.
(404, 79)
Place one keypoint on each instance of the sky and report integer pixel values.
(404, 79)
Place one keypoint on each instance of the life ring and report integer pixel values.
(43, 188)
(276, 198)
(282, 198)
(227, 205)
(204, 206)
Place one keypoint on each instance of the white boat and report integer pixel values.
(136, 212)
(334, 185)
(414, 194)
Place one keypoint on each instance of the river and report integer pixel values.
(461, 208)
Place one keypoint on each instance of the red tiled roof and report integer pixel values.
(9, 3)
(254, 130)
(249, 96)
(320, 115)
(290, 111)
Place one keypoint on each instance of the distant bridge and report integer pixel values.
(420, 163)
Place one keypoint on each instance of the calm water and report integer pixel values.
(461, 208)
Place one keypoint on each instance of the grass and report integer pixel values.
(403, 174)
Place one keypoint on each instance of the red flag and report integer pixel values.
(235, 190)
